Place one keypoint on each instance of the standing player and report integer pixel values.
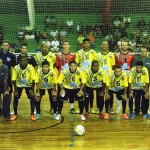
(9, 60)
(138, 82)
(50, 57)
(24, 50)
(23, 78)
(125, 60)
(46, 79)
(62, 60)
(45, 55)
(106, 60)
(117, 83)
(84, 58)
(71, 82)
(96, 80)
(4, 73)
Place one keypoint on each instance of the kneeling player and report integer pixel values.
(138, 82)
(23, 78)
(46, 78)
(116, 83)
(71, 82)
(96, 80)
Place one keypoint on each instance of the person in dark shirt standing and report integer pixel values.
(4, 73)
(23, 50)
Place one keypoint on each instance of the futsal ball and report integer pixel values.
(79, 130)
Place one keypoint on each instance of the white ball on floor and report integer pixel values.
(79, 130)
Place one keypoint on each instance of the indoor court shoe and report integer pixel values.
(111, 111)
(54, 116)
(77, 110)
(14, 117)
(125, 116)
(72, 111)
(131, 116)
(92, 111)
(38, 116)
(101, 115)
(7, 118)
(106, 116)
(146, 116)
(86, 115)
(82, 117)
(58, 117)
(33, 118)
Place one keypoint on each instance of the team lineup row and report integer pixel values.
(76, 77)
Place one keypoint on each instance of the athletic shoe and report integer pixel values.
(7, 118)
(38, 116)
(54, 116)
(111, 111)
(125, 116)
(58, 117)
(92, 111)
(82, 117)
(146, 116)
(51, 111)
(14, 117)
(101, 115)
(86, 115)
(131, 116)
(72, 111)
(97, 111)
(77, 110)
(33, 118)
(106, 116)
(117, 112)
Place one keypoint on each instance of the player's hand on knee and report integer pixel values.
(62, 93)
(80, 93)
(130, 95)
(31, 92)
(107, 96)
(54, 95)
(6, 92)
(124, 97)
(37, 96)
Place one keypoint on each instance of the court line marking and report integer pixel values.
(62, 120)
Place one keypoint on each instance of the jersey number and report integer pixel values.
(125, 60)
(95, 78)
(105, 61)
(117, 83)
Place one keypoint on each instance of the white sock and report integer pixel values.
(71, 105)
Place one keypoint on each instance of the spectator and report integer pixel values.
(46, 42)
(136, 32)
(145, 34)
(28, 30)
(61, 24)
(37, 36)
(139, 44)
(63, 33)
(133, 43)
(92, 39)
(127, 20)
(44, 34)
(69, 24)
(80, 40)
(141, 24)
(88, 28)
(21, 35)
(55, 45)
(52, 21)
(12, 46)
(116, 22)
(37, 50)
(47, 21)
(79, 28)
(54, 33)
(112, 44)
(97, 30)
